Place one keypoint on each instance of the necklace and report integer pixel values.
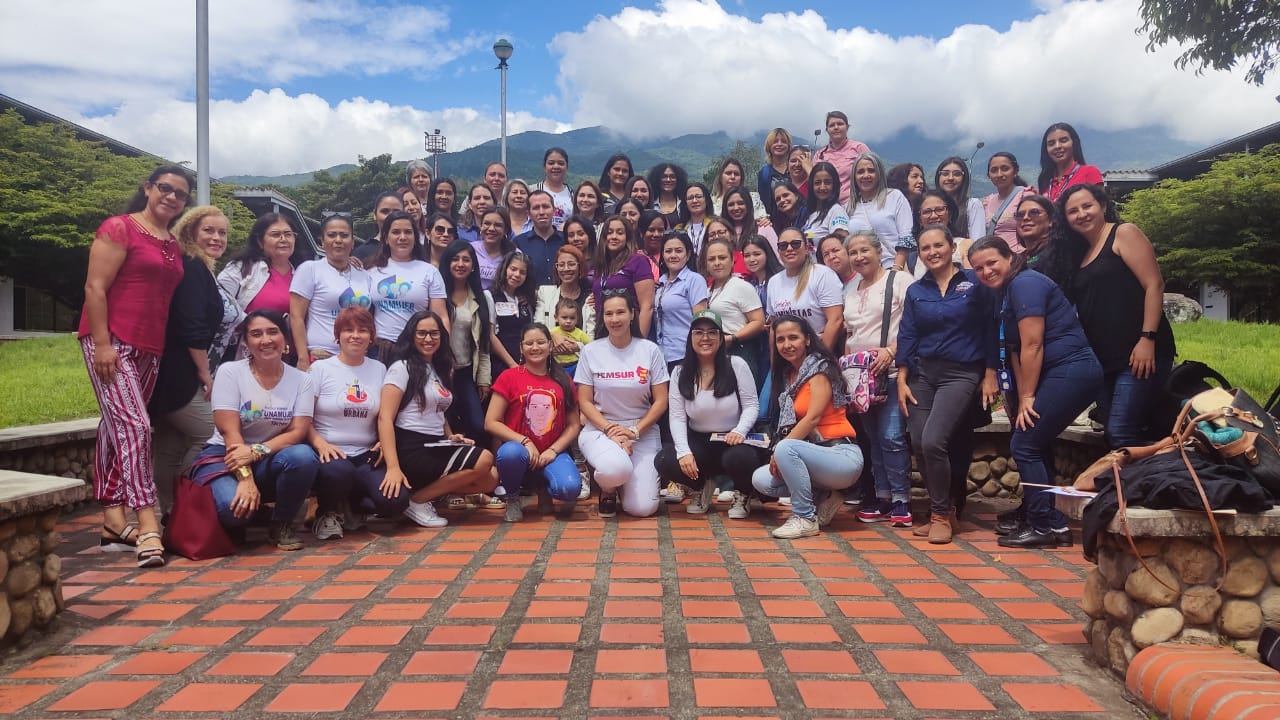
(265, 381)
(168, 246)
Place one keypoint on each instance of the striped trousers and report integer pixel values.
(122, 471)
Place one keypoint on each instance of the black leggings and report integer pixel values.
(713, 458)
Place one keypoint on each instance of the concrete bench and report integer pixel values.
(30, 568)
(1189, 682)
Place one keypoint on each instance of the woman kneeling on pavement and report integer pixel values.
(817, 455)
(714, 394)
(1055, 376)
(262, 415)
(422, 454)
(534, 413)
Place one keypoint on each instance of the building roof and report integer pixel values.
(33, 114)
(1195, 164)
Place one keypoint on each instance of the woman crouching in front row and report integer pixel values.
(817, 454)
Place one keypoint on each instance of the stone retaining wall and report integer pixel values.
(62, 449)
(30, 569)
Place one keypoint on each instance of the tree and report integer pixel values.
(1221, 32)
(751, 157)
(353, 191)
(55, 190)
(1222, 228)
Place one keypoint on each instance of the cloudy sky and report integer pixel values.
(303, 84)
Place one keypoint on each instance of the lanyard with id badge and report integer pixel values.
(1003, 375)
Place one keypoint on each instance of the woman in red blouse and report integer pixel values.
(1062, 162)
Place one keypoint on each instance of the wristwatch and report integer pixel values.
(260, 451)
(1149, 334)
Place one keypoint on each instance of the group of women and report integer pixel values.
(416, 365)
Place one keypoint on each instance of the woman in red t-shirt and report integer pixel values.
(534, 414)
(1062, 162)
(134, 265)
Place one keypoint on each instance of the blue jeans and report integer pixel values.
(357, 479)
(802, 466)
(890, 455)
(561, 474)
(465, 414)
(1124, 403)
(285, 478)
(1064, 391)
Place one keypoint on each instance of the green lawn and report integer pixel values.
(44, 380)
(1247, 354)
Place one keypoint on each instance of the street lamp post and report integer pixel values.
(503, 49)
(435, 144)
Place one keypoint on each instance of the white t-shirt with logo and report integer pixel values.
(428, 417)
(823, 290)
(347, 400)
(264, 414)
(401, 289)
(816, 228)
(622, 378)
(329, 290)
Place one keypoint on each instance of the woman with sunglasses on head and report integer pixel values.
(480, 200)
(826, 216)
(1037, 226)
(876, 208)
(1062, 162)
(622, 392)
(403, 282)
(1001, 205)
(258, 452)
(495, 243)
(441, 233)
(533, 413)
(695, 213)
(259, 277)
(681, 292)
(613, 182)
(135, 264)
(516, 201)
(806, 289)
(1108, 270)
(789, 208)
(952, 177)
(668, 181)
(777, 149)
(322, 287)
(817, 454)
(946, 354)
(423, 453)
(712, 392)
(735, 302)
(471, 324)
(383, 205)
(619, 265)
(1055, 377)
(514, 299)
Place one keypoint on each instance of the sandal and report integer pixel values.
(124, 541)
(150, 557)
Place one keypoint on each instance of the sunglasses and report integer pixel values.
(790, 244)
(167, 189)
(1033, 213)
(443, 230)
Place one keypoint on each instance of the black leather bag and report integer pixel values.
(1256, 450)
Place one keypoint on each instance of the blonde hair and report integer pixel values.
(188, 227)
(802, 280)
(773, 137)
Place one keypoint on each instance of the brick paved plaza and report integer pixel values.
(675, 616)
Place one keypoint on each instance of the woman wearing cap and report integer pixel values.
(714, 393)
(534, 414)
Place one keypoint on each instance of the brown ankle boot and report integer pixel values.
(940, 529)
(921, 529)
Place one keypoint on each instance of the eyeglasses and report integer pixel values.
(615, 292)
(1033, 213)
(929, 212)
(705, 333)
(718, 233)
(424, 334)
(282, 235)
(443, 230)
(166, 189)
(790, 244)
(332, 213)
(567, 266)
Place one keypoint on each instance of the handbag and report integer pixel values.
(193, 530)
(1231, 426)
(867, 389)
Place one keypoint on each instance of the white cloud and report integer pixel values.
(691, 66)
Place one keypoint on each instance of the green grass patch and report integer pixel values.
(44, 380)
(1247, 354)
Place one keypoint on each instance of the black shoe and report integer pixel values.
(1029, 537)
(608, 504)
(1011, 521)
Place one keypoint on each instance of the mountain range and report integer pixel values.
(589, 148)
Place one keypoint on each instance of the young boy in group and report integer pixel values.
(567, 326)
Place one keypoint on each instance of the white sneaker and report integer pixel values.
(797, 527)
(725, 496)
(672, 493)
(585, 492)
(828, 508)
(741, 509)
(425, 515)
(327, 526)
(702, 501)
(786, 500)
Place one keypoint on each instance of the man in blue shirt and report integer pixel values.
(543, 242)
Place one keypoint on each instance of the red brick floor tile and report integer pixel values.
(1015, 664)
(157, 663)
(715, 589)
(250, 663)
(547, 633)
(839, 695)
(635, 572)
(631, 633)
(60, 666)
(878, 560)
(225, 576)
(854, 589)
(691, 558)
(1050, 697)
(314, 697)
(717, 633)
(240, 612)
(368, 635)
(270, 592)
(1047, 573)
(869, 609)
(15, 697)
(460, 635)
(105, 695)
(977, 634)
(689, 572)
(344, 664)
(792, 609)
(397, 611)
(162, 577)
(302, 635)
(635, 589)
(123, 592)
(780, 588)
(631, 660)
(116, 635)
(1004, 590)
(442, 662)
(771, 572)
(556, 609)
(209, 697)
(313, 612)
(1059, 633)
(830, 558)
(416, 591)
(629, 693)
(1072, 590)
(521, 559)
(202, 636)
(820, 661)
(632, 609)
(563, 589)
(776, 558)
(950, 695)
(710, 609)
(474, 610)
(384, 559)
(500, 573)
(536, 662)
(96, 611)
(804, 633)
(489, 589)
(978, 572)
(346, 591)
(295, 576)
(838, 572)
(317, 561)
(892, 634)
(95, 577)
(926, 590)
(569, 573)
(915, 662)
(956, 610)
(432, 574)
(733, 692)
(521, 694)
(704, 660)
(1033, 611)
